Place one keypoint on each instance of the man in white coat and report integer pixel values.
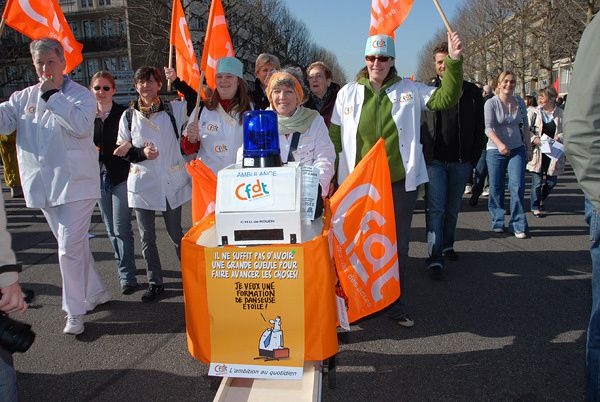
(59, 170)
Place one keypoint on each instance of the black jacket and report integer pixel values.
(258, 96)
(105, 138)
(471, 126)
(327, 108)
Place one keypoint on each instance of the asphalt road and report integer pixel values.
(506, 324)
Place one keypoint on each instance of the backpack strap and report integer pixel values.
(293, 146)
(129, 117)
(169, 109)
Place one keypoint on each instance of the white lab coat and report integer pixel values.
(314, 148)
(58, 161)
(152, 182)
(408, 99)
(221, 136)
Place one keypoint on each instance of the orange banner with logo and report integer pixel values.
(186, 63)
(364, 236)
(38, 19)
(320, 314)
(217, 42)
(204, 189)
(388, 15)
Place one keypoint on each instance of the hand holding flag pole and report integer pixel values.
(437, 5)
(170, 66)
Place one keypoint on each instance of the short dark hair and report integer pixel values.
(145, 72)
(442, 47)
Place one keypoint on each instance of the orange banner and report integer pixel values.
(320, 315)
(388, 15)
(364, 236)
(204, 189)
(217, 42)
(186, 63)
(38, 19)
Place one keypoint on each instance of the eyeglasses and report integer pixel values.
(105, 88)
(378, 58)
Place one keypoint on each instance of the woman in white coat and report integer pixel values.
(157, 181)
(303, 135)
(59, 171)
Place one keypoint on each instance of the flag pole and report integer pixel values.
(170, 66)
(437, 5)
(198, 97)
(211, 17)
(2, 23)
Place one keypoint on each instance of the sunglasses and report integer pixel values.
(378, 58)
(97, 88)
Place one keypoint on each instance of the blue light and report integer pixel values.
(261, 139)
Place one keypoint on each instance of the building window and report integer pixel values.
(74, 25)
(122, 26)
(89, 29)
(124, 63)
(106, 27)
(93, 66)
(86, 3)
(77, 73)
(110, 64)
(104, 2)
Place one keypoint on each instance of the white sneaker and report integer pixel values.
(486, 192)
(520, 235)
(468, 189)
(94, 301)
(74, 325)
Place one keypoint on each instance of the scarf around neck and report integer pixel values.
(299, 122)
(149, 109)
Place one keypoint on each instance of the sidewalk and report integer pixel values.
(507, 323)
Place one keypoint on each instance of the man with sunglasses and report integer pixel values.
(379, 104)
(452, 143)
(58, 164)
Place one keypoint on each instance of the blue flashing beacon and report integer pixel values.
(261, 139)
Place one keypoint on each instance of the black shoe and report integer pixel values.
(436, 271)
(129, 289)
(474, 198)
(28, 295)
(450, 254)
(152, 293)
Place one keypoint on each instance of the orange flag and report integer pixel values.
(185, 57)
(217, 42)
(364, 236)
(204, 189)
(388, 15)
(38, 19)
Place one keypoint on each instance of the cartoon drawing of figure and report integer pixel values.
(270, 345)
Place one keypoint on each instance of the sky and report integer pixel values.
(342, 26)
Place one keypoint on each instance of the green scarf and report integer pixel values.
(299, 122)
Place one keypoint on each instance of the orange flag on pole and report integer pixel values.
(38, 19)
(185, 56)
(388, 15)
(217, 42)
(364, 236)
(204, 189)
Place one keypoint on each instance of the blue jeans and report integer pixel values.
(593, 336)
(404, 206)
(116, 215)
(538, 192)
(498, 166)
(481, 172)
(8, 377)
(444, 195)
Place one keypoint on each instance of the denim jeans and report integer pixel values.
(498, 166)
(444, 195)
(145, 220)
(8, 377)
(404, 206)
(593, 335)
(539, 190)
(116, 215)
(481, 172)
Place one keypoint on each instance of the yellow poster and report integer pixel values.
(256, 308)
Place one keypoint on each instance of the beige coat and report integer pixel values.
(535, 165)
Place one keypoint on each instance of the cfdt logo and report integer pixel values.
(212, 127)
(378, 43)
(221, 369)
(220, 148)
(252, 191)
